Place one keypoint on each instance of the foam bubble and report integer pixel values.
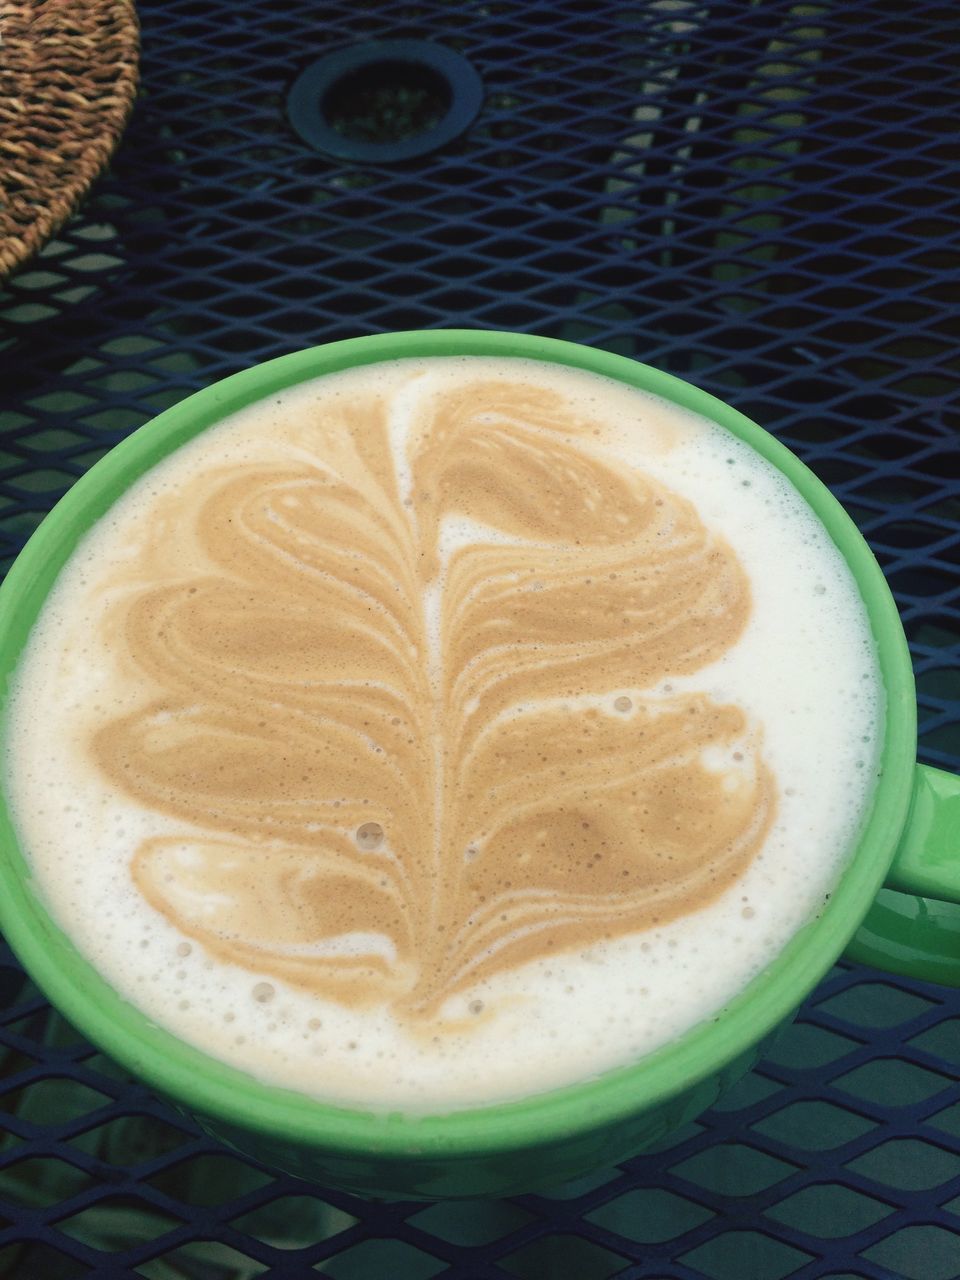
(370, 835)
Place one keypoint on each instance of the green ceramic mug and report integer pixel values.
(911, 842)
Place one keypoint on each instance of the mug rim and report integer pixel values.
(203, 1084)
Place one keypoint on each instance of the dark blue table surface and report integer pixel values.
(760, 197)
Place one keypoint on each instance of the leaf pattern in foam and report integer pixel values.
(299, 690)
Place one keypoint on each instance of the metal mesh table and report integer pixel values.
(758, 197)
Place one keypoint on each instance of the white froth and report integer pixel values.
(805, 670)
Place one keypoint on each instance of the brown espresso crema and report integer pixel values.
(378, 685)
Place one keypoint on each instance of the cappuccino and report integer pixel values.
(443, 731)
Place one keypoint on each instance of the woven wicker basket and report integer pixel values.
(68, 78)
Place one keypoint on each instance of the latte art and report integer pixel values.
(443, 731)
(378, 804)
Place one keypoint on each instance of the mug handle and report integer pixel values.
(913, 928)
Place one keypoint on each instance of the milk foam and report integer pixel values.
(804, 669)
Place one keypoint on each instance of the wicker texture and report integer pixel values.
(68, 78)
